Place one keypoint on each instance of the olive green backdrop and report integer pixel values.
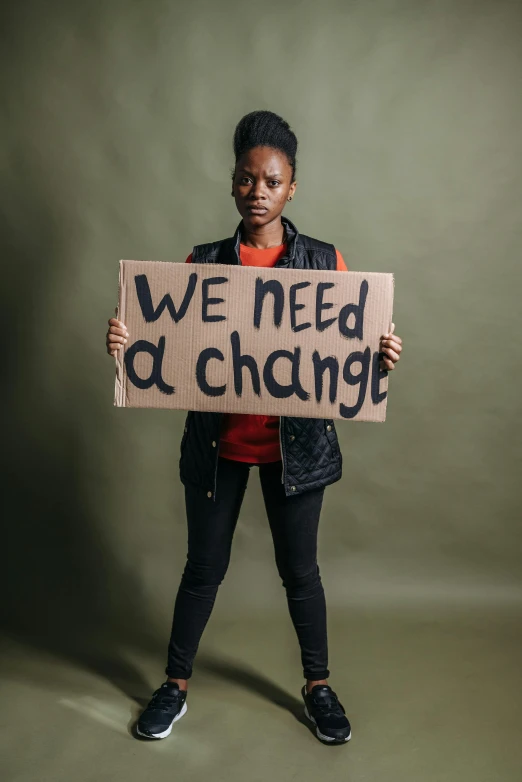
(117, 143)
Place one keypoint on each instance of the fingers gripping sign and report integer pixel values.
(391, 346)
(117, 335)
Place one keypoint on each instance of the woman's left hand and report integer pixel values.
(391, 345)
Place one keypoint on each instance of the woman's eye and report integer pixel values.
(275, 183)
(244, 180)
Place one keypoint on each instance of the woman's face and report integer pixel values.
(262, 184)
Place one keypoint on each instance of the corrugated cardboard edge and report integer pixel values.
(120, 383)
(389, 329)
(393, 298)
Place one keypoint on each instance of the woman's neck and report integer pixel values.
(264, 236)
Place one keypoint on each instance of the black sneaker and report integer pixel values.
(328, 715)
(167, 705)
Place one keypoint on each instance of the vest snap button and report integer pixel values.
(209, 494)
(292, 437)
(213, 443)
(328, 428)
(292, 488)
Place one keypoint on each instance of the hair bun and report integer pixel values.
(265, 129)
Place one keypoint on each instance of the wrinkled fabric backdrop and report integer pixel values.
(117, 143)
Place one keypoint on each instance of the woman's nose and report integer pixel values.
(257, 190)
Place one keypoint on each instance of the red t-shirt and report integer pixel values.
(255, 438)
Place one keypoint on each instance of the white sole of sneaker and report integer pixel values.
(318, 732)
(165, 733)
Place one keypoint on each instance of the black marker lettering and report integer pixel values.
(358, 311)
(239, 361)
(294, 307)
(321, 325)
(201, 372)
(276, 289)
(145, 299)
(352, 380)
(320, 367)
(155, 378)
(274, 388)
(206, 301)
(377, 375)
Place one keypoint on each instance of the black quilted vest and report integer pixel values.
(310, 451)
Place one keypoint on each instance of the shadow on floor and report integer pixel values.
(107, 664)
(251, 680)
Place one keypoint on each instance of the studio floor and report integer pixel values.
(432, 697)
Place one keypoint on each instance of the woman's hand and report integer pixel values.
(117, 336)
(391, 345)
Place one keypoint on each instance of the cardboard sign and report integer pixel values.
(241, 339)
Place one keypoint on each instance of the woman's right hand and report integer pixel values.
(117, 336)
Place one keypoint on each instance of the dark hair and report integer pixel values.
(265, 129)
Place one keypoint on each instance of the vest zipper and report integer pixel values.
(282, 449)
(218, 446)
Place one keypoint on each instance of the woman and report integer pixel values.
(297, 457)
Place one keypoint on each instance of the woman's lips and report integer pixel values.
(257, 210)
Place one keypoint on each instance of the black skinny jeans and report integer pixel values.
(211, 525)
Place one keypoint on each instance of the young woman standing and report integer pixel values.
(296, 457)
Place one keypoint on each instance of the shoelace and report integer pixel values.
(162, 700)
(328, 703)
